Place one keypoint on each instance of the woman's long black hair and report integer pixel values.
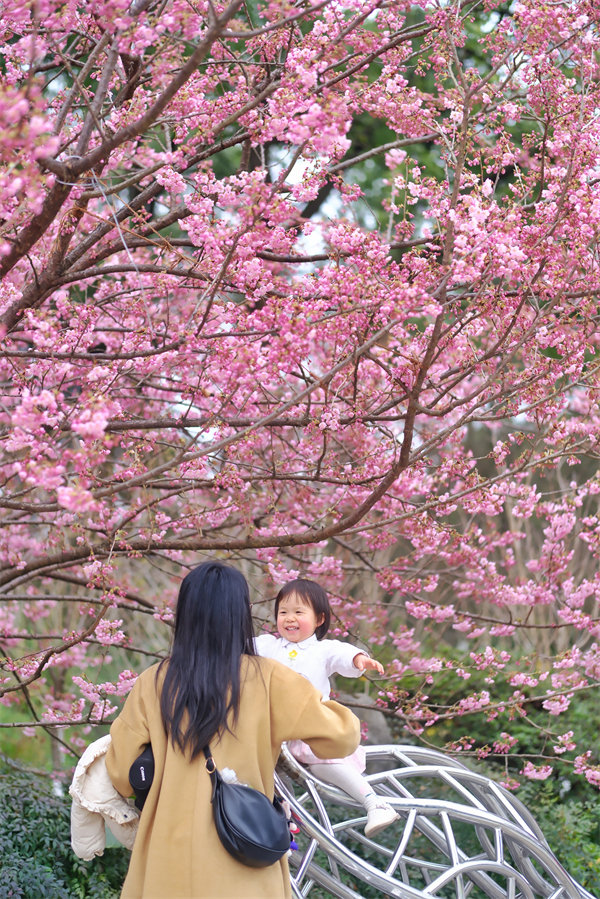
(213, 629)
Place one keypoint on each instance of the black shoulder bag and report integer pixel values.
(251, 827)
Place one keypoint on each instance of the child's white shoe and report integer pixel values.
(379, 816)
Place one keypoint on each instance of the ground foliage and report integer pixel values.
(35, 843)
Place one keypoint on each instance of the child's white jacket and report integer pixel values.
(96, 803)
(316, 659)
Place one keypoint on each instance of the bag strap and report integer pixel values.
(212, 769)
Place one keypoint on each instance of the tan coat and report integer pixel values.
(177, 853)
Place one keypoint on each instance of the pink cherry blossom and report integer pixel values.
(536, 772)
(318, 298)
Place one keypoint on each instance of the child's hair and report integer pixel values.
(313, 595)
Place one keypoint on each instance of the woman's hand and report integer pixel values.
(363, 662)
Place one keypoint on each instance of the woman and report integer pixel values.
(214, 690)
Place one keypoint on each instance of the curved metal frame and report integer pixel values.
(473, 841)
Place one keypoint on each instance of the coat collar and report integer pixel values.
(303, 645)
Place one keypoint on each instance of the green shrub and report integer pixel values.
(572, 828)
(35, 844)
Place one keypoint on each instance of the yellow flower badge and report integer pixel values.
(292, 654)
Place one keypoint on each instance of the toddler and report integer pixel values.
(303, 615)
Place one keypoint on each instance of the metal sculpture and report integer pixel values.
(460, 835)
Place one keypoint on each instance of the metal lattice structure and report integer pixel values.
(459, 835)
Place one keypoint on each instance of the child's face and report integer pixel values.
(296, 619)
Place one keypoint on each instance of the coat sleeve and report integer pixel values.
(298, 713)
(340, 658)
(130, 734)
(266, 645)
(88, 833)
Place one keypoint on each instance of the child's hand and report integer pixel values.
(364, 663)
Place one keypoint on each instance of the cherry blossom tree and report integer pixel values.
(311, 287)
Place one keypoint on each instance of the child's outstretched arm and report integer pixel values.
(364, 662)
